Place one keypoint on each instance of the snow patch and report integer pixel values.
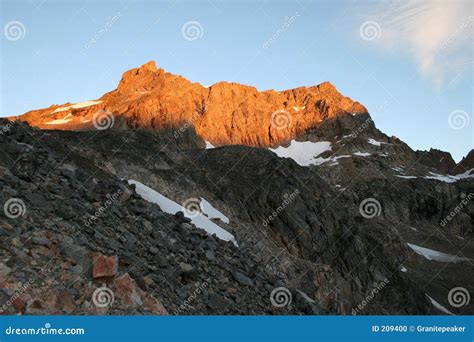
(212, 212)
(304, 153)
(306, 297)
(406, 177)
(209, 145)
(431, 254)
(297, 109)
(362, 154)
(441, 178)
(171, 207)
(333, 160)
(62, 121)
(439, 306)
(450, 178)
(374, 142)
(76, 106)
(467, 174)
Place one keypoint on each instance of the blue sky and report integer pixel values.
(409, 63)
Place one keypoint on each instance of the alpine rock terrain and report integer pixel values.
(167, 197)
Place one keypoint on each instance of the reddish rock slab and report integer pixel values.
(104, 266)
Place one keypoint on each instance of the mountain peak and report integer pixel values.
(226, 113)
(149, 66)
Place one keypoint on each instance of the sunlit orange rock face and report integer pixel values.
(224, 113)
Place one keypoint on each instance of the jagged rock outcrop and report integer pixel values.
(224, 113)
(440, 160)
(466, 164)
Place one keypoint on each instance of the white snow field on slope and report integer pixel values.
(171, 207)
(431, 254)
(76, 106)
(64, 120)
(212, 212)
(450, 178)
(304, 153)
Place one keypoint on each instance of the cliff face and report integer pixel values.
(467, 163)
(437, 159)
(224, 113)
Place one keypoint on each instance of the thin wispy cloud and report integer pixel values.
(436, 34)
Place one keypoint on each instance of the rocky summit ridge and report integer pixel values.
(223, 114)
